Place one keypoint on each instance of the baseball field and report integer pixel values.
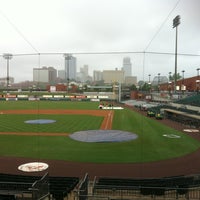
(155, 141)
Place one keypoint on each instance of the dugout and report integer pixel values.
(182, 117)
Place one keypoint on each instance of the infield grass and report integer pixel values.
(150, 145)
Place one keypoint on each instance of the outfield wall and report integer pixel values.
(58, 97)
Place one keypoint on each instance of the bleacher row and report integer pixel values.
(182, 111)
(58, 187)
(180, 185)
(126, 188)
(190, 100)
(157, 109)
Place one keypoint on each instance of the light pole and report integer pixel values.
(169, 82)
(158, 82)
(198, 72)
(149, 78)
(119, 92)
(149, 83)
(197, 81)
(183, 87)
(176, 22)
(170, 73)
(8, 57)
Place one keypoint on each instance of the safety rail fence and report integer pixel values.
(81, 192)
(40, 189)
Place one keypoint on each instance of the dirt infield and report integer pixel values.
(189, 164)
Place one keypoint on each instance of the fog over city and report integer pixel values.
(99, 33)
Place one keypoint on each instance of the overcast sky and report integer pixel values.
(74, 26)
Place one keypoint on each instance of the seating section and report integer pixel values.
(190, 100)
(7, 197)
(180, 184)
(59, 187)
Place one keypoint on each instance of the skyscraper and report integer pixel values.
(84, 70)
(97, 75)
(127, 66)
(70, 67)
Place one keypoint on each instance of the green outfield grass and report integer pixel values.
(20, 105)
(150, 145)
(63, 124)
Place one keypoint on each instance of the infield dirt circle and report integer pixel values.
(189, 164)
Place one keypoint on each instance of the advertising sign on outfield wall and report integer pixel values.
(52, 88)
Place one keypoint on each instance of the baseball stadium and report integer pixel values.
(117, 148)
(99, 100)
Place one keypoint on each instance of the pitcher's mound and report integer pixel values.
(103, 136)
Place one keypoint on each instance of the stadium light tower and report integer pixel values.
(8, 57)
(176, 22)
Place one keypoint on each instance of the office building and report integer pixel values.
(113, 76)
(131, 80)
(127, 66)
(70, 67)
(44, 75)
(61, 74)
(97, 75)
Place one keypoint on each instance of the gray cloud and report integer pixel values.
(100, 25)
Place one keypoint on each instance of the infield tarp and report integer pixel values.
(40, 121)
(103, 136)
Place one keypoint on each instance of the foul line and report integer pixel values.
(34, 134)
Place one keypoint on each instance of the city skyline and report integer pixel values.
(70, 73)
(61, 69)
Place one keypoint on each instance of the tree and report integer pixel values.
(178, 76)
(133, 87)
(140, 83)
(145, 87)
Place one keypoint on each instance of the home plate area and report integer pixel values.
(103, 136)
